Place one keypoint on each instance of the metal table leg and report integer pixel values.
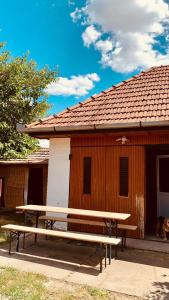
(110, 255)
(24, 240)
(116, 228)
(10, 242)
(24, 232)
(17, 235)
(37, 221)
(115, 252)
(101, 266)
(105, 256)
(124, 238)
(17, 245)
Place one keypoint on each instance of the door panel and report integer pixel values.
(134, 203)
(96, 199)
(115, 202)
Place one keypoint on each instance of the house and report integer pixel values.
(24, 181)
(111, 152)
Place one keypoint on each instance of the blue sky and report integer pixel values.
(77, 43)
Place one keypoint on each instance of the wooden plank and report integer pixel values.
(74, 211)
(127, 227)
(71, 220)
(89, 222)
(144, 137)
(61, 234)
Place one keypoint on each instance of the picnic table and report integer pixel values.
(109, 218)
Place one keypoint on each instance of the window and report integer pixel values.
(123, 176)
(87, 175)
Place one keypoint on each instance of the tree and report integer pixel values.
(22, 100)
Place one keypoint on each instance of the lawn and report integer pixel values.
(16, 285)
(9, 217)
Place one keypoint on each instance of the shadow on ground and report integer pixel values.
(145, 257)
(79, 257)
(161, 291)
(60, 254)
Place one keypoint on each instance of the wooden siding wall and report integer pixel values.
(15, 181)
(134, 138)
(105, 179)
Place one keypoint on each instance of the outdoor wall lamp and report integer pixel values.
(123, 140)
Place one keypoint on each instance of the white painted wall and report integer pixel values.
(58, 175)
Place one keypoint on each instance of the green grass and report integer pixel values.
(82, 293)
(9, 218)
(97, 293)
(17, 285)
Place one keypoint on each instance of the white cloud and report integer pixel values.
(77, 14)
(90, 35)
(104, 46)
(74, 86)
(127, 32)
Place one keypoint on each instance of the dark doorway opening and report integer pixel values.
(35, 186)
(152, 209)
(2, 204)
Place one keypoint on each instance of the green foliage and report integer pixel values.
(22, 100)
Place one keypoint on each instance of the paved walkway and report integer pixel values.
(159, 246)
(135, 272)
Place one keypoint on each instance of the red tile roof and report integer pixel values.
(142, 98)
(39, 157)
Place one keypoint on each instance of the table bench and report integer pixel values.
(111, 219)
(50, 220)
(102, 241)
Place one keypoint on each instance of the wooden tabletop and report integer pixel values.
(75, 211)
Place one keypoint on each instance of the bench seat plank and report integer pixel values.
(127, 227)
(62, 234)
(71, 220)
(88, 222)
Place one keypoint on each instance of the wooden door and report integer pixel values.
(93, 199)
(35, 186)
(133, 202)
(105, 182)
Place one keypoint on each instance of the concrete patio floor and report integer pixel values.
(136, 272)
